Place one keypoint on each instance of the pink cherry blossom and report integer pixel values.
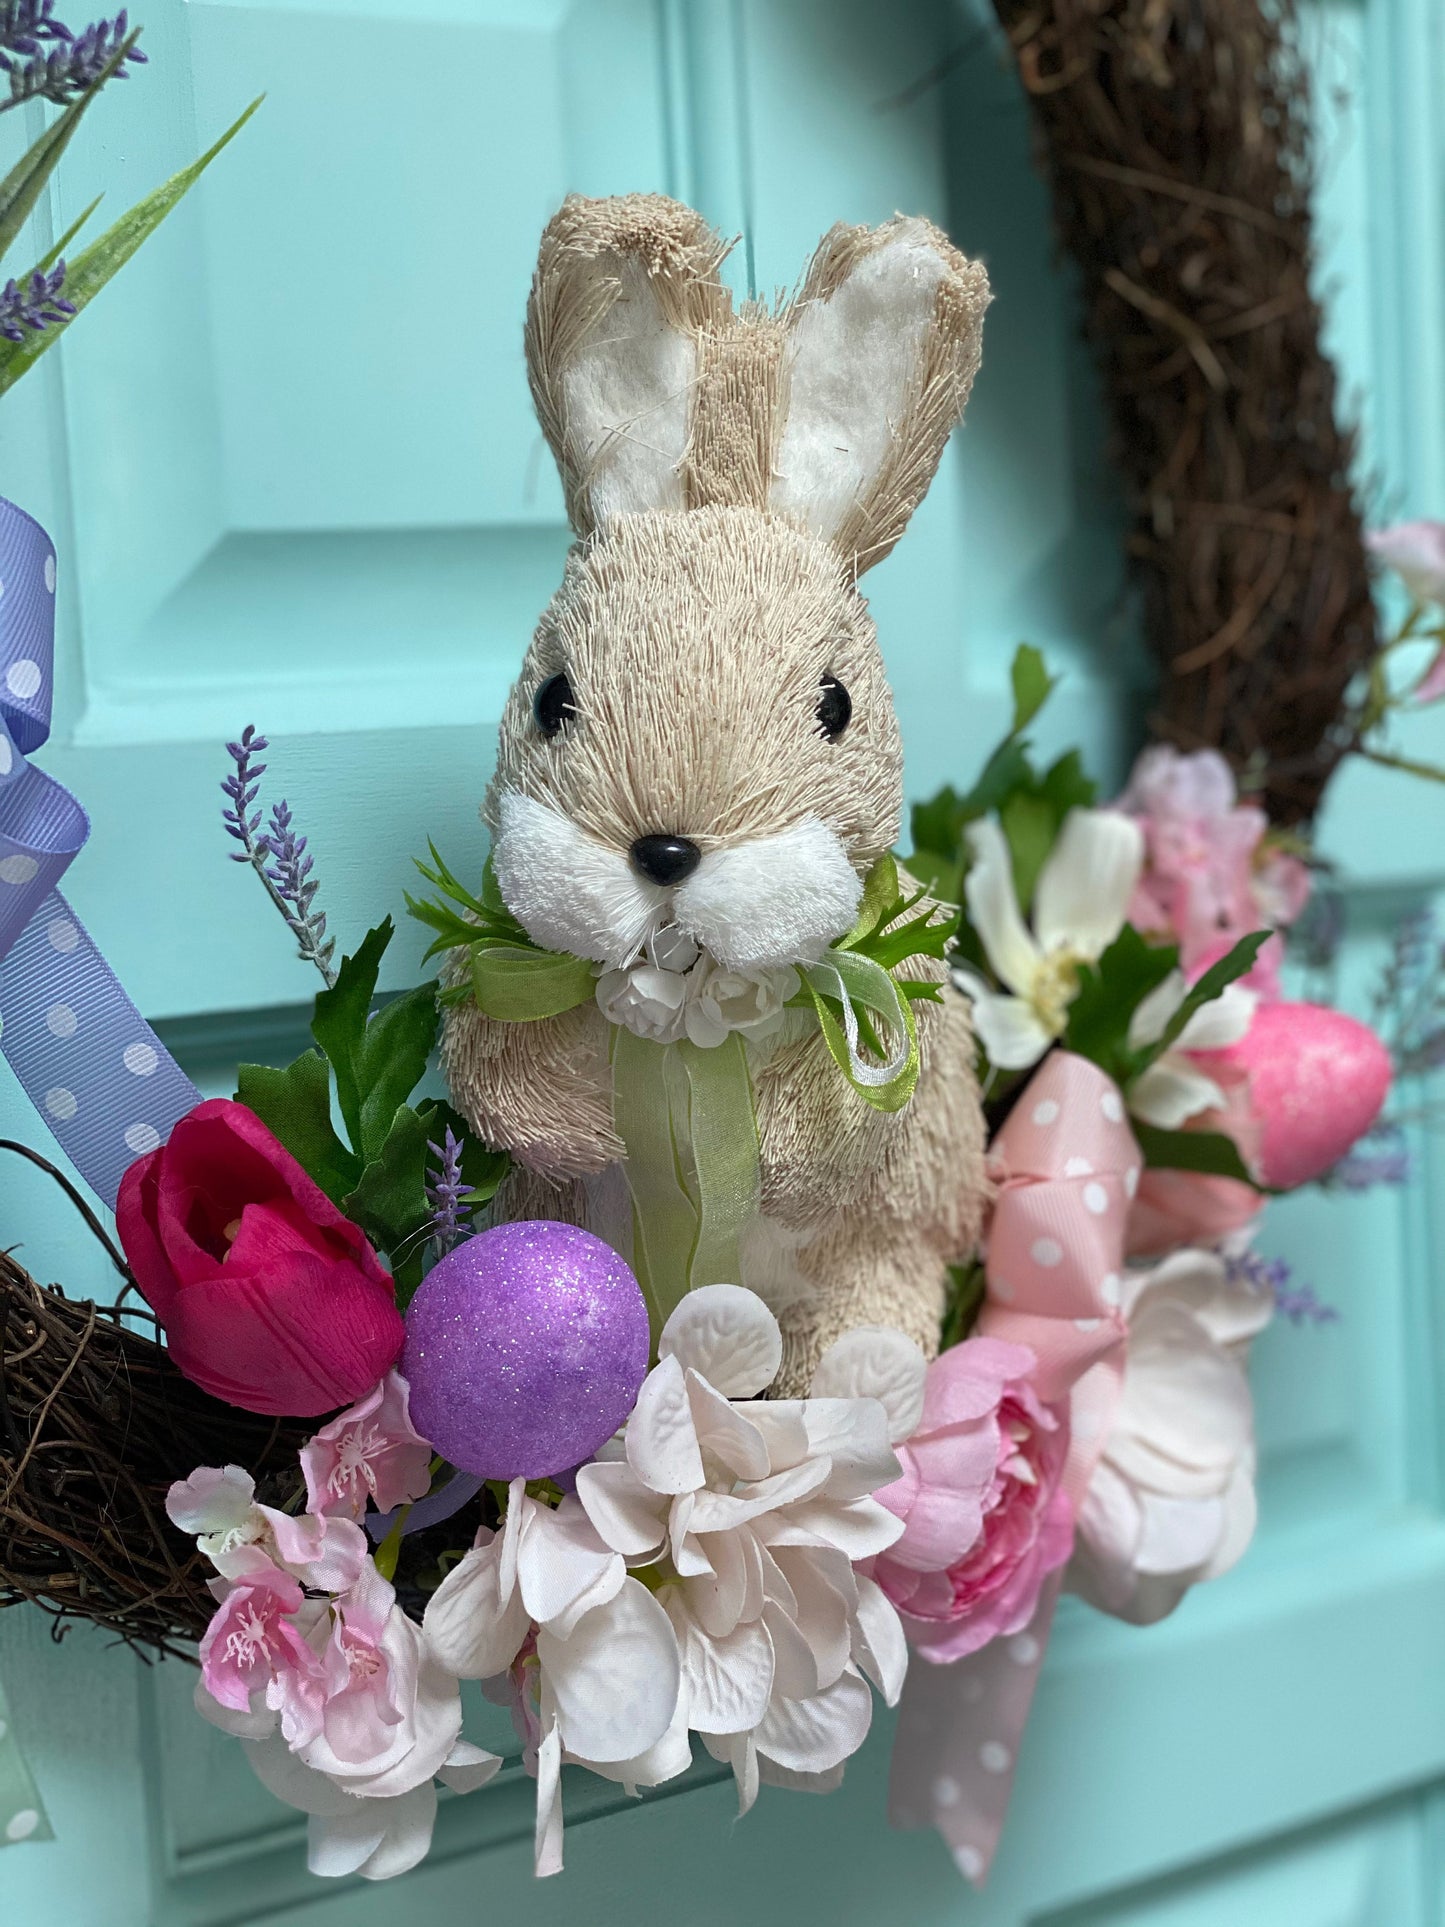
(1416, 552)
(254, 1641)
(1209, 876)
(370, 1452)
(985, 1521)
(218, 1504)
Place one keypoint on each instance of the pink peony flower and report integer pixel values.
(1416, 552)
(254, 1644)
(1209, 877)
(985, 1521)
(371, 1451)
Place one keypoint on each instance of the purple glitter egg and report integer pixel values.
(525, 1348)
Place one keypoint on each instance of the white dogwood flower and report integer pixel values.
(1171, 1501)
(755, 1512)
(1080, 905)
(1174, 1088)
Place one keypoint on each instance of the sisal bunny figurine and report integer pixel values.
(702, 743)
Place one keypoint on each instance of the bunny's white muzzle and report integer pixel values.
(770, 901)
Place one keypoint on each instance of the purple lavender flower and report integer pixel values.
(36, 303)
(1270, 1277)
(70, 67)
(447, 1192)
(1380, 1157)
(290, 871)
(279, 856)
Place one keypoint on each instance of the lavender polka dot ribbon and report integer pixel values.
(86, 1058)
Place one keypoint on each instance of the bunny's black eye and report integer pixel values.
(553, 704)
(835, 707)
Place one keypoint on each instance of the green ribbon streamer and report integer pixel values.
(521, 986)
(687, 1122)
(22, 1812)
(864, 990)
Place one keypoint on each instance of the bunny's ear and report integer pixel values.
(623, 291)
(883, 345)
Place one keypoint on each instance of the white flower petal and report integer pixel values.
(563, 1567)
(547, 1834)
(739, 1751)
(1170, 1091)
(853, 1434)
(1223, 1021)
(468, 1767)
(812, 1735)
(795, 1668)
(1010, 1030)
(378, 1839)
(823, 1613)
(1179, 1535)
(1087, 880)
(1241, 1513)
(727, 1682)
(725, 1432)
(615, 1680)
(725, 1511)
(873, 1361)
(214, 1499)
(720, 1598)
(662, 1446)
(1152, 1013)
(728, 1336)
(671, 1755)
(860, 1528)
(994, 910)
(771, 1774)
(880, 1646)
(629, 1516)
(468, 1627)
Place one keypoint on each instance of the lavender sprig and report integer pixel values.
(289, 884)
(1270, 1277)
(447, 1192)
(290, 872)
(25, 23)
(1380, 1157)
(70, 67)
(35, 303)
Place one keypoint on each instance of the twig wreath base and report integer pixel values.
(1175, 136)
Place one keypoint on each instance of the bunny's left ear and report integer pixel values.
(882, 347)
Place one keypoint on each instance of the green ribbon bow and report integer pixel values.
(686, 1115)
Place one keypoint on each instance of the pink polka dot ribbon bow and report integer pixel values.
(1066, 1166)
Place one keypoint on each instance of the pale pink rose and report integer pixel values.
(253, 1644)
(1416, 552)
(370, 1452)
(985, 1522)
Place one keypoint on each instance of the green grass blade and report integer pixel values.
(52, 255)
(95, 265)
(22, 186)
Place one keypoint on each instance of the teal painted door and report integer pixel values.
(293, 475)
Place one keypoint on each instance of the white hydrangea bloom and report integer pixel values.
(756, 1512)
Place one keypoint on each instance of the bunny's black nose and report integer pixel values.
(665, 859)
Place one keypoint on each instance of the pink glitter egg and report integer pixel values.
(525, 1349)
(1317, 1080)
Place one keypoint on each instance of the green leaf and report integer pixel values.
(1032, 685)
(966, 1289)
(1030, 825)
(389, 1201)
(1216, 979)
(395, 1048)
(295, 1103)
(880, 897)
(1209, 1153)
(53, 254)
(1108, 995)
(934, 826)
(23, 185)
(941, 876)
(95, 265)
(339, 1022)
(1068, 786)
